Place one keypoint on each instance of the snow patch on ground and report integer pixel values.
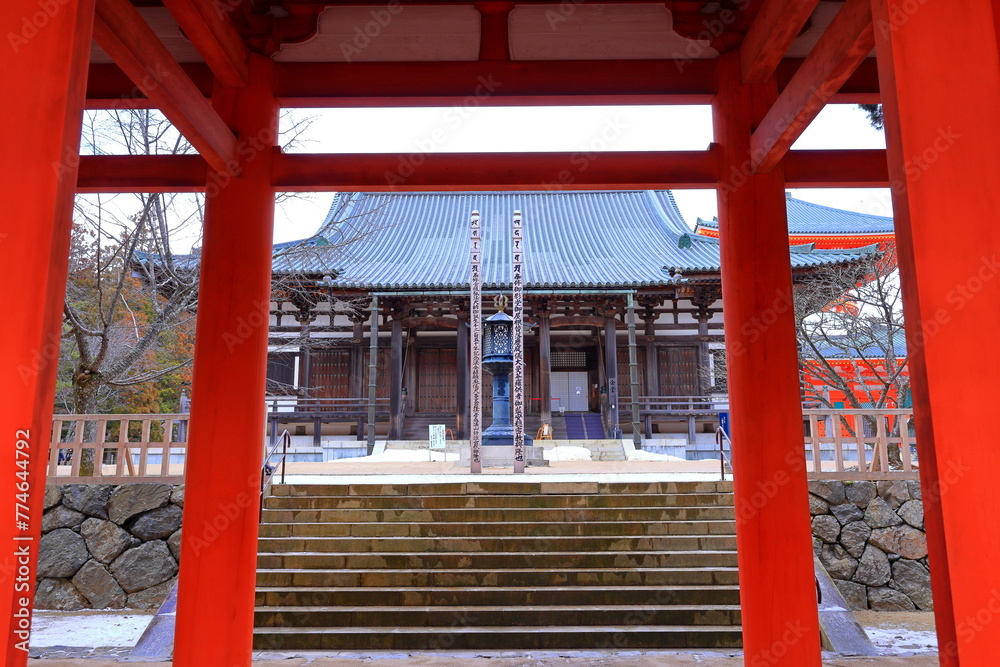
(567, 453)
(902, 641)
(402, 456)
(103, 629)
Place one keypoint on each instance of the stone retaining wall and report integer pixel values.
(870, 537)
(109, 547)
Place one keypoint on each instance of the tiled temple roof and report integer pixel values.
(572, 239)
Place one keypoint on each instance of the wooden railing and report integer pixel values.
(124, 448)
(856, 444)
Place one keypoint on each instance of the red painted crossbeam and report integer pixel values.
(489, 171)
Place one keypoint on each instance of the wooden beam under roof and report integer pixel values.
(840, 50)
(132, 44)
(774, 29)
(491, 171)
(206, 24)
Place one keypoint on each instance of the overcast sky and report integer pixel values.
(572, 129)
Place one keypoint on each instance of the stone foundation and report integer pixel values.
(870, 537)
(109, 547)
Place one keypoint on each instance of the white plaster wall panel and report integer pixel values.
(598, 32)
(390, 33)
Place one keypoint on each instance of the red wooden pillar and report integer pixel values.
(943, 142)
(46, 47)
(219, 546)
(777, 589)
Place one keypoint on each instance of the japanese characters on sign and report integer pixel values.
(476, 358)
(517, 388)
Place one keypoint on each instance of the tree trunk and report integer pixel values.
(86, 385)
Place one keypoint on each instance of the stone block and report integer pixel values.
(157, 524)
(888, 599)
(855, 595)
(817, 505)
(906, 541)
(854, 537)
(61, 553)
(894, 493)
(873, 569)
(831, 491)
(91, 499)
(53, 496)
(913, 578)
(912, 512)
(826, 528)
(61, 517)
(129, 500)
(152, 597)
(860, 492)
(836, 560)
(145, 566)
(59, 594)
(105, 540)
(880, 515)
(846, 513)
(177, 495)
(174, 544)
(97, 585)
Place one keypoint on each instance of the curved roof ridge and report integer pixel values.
(840, 210)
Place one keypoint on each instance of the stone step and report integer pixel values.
(513, 515)
(314, 574)
(497, 529)
(499, 637)
(552, 501)
(528, 546)
(502, 488)
(652, 614)
(507, 596)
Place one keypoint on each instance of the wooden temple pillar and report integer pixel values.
(396, 377)
(774, 537)
(943, 144)
(462, 376)
(218, 573)
(611, 372)
(44, 78)
(545, 364)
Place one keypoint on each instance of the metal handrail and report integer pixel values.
(267, 470)
(721, 437)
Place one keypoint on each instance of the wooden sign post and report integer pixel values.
(476, 358)
(517, 383)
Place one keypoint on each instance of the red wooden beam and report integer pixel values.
(774, 29)
(206, 24)
(495, 171)
(108, 87)
(862, 87)
(856, 168)
(126, 37)
(523, 82)
(841, 49)
(479, 83)
(142, 173)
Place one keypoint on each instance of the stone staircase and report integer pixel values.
(523, 565)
